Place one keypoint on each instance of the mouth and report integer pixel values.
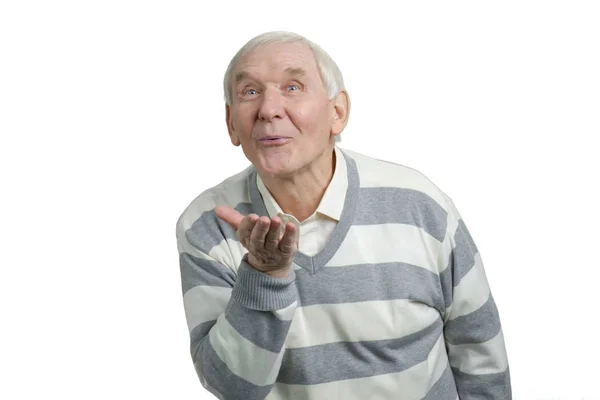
(274, 140)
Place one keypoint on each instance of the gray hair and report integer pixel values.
(330, 73)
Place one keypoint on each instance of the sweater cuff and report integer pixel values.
(258, 291)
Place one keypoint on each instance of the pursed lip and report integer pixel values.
(262, 139)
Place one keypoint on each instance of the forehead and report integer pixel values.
(277, 58)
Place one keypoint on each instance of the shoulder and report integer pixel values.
(232, 191)
(375, 173)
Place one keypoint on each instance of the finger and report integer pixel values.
(289, 239)
(274, 235)
(257, 237)
(229, 215)
(245, 229)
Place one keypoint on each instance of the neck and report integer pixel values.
(300, 194)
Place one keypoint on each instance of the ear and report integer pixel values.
(230, 128)
(341, 109)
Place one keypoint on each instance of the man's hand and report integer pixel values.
(271, 246)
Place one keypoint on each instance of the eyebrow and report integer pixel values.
(240, 76)
(295, 71)
(292, 71)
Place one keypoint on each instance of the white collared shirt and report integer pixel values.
(316, 229)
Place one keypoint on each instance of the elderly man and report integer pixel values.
(322, 273)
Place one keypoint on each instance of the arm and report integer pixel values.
(472, 330)
(238, 324)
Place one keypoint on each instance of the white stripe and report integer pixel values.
(472, 292)
(360, 321)
(452, 222)
(480, 358)
(204, 303)
(412, 383)
(370, 244)
(248, 361)
(381, 173)
(228, 252)
(286, 314)
(232, 190)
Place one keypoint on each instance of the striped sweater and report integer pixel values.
(395, 306)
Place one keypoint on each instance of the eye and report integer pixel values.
(250, 91)
(293, 87)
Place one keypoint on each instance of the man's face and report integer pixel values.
(277, 92)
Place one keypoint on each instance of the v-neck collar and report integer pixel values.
(313, 264)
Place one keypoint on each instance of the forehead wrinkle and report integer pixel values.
(273, 61)
(289, 71)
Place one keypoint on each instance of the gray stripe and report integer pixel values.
(479, 326)
(368, 282)
(262, 328)
(209, 230)
(462, 258)
(348, 360)
(197, 271)
(198, 334)
(460, 262)
(259, 291)
(447, 286)
(444, 388)
(220, 377)
(387, 205)
(488, 387)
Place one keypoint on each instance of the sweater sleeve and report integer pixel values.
(472, 329)
(238, 323)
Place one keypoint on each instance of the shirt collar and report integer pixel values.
(331, 204)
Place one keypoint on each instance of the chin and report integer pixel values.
(282, 172)
(279, 165)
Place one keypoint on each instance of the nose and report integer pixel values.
(271, 106)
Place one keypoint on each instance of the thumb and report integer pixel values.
(229, 215)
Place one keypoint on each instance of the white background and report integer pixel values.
(112, 121)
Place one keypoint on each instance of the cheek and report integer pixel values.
(243, 122)
(309, 118)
